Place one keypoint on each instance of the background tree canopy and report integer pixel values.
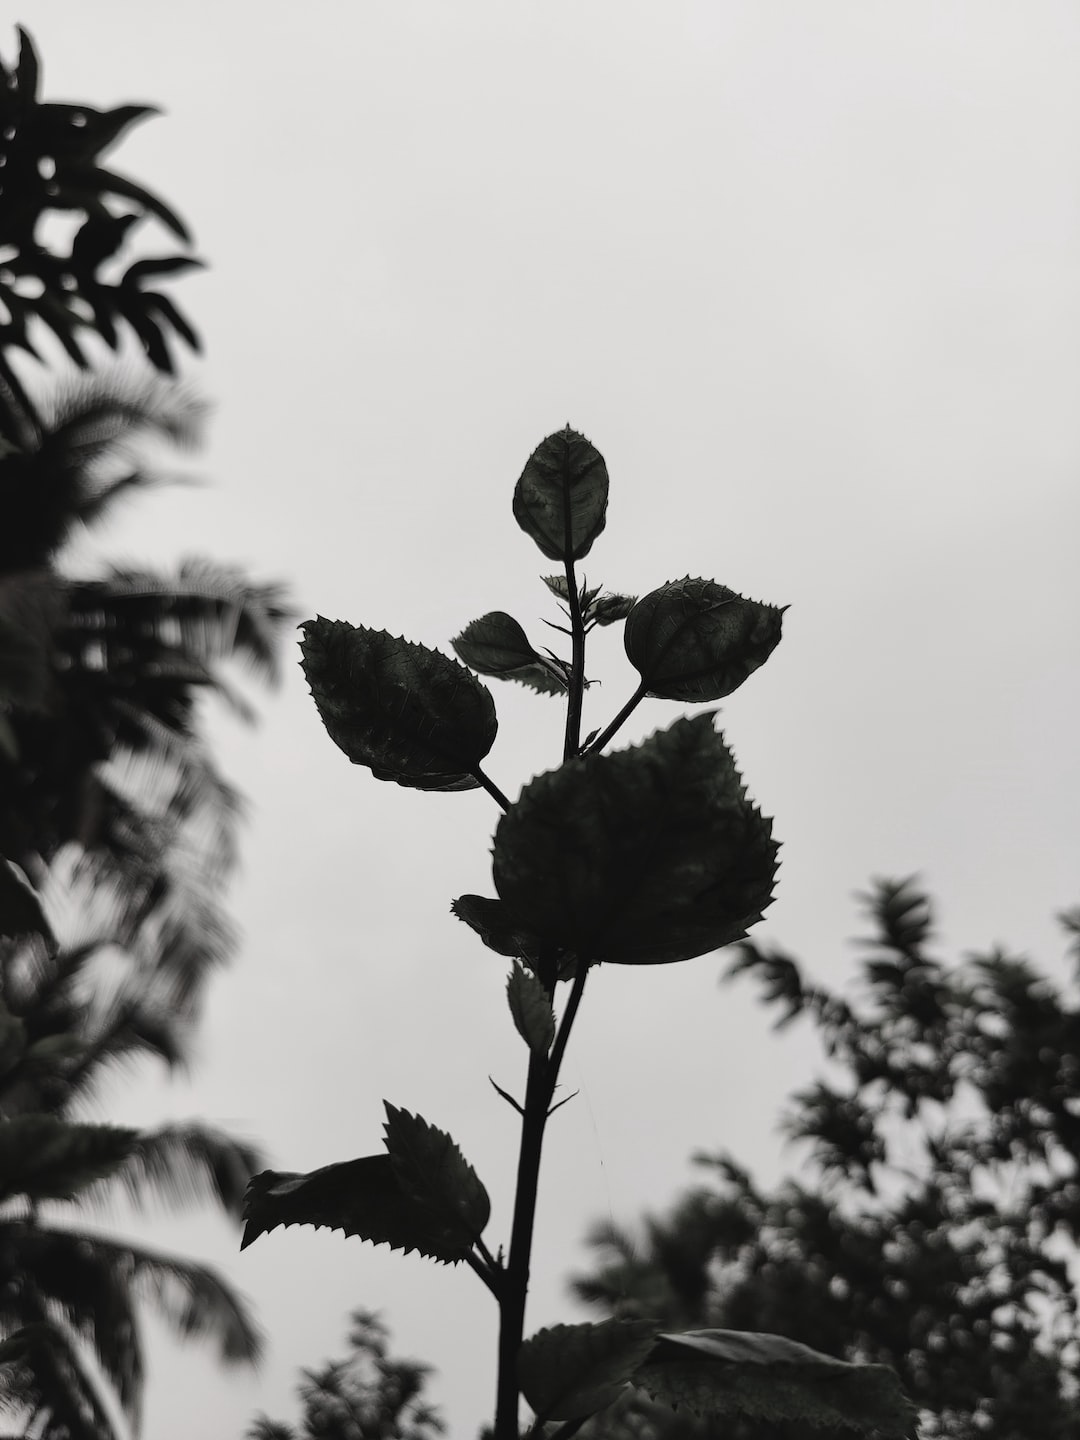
(110, 802)
(934, 1224)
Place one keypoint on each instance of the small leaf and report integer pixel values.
(642, 857)
(723, 1374)
(557, 585)
(46, 1158)
(694, 640)
(495, 644)
(494, 923)
(568, 1372)
(432, 1171)
(560, 501)
(410, 714)
(607, 609)
(530, 1006)
(359, 1197)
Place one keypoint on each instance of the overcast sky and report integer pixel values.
(808, 274)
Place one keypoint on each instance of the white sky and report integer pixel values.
(809, 276)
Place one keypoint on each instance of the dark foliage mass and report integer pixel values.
(117, 833)
(935, 1224)
(366, 1396)
(51, 169)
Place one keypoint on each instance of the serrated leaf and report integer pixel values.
(695, 640)
(568, 1372)
(433, 1173)
(361, 1197)
(646, 856)
(534, 1019)
(560, 501)
(541, 677)
(720, 1374)
(410, 714)
(46, 1158)
(498, 929)
(557, 585)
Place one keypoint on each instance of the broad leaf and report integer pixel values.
(695, 640)
(359, 1197)
(534, 1019)
(433, 1173)
(45, 1158)
(723, 1374)
(408, 713)
(645, 856)
(560, 501)
(568, 1372)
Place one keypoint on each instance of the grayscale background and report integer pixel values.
(808, 274)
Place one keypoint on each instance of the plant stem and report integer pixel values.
(632, 704)
(492, 789)
(577, 667)
(543, 1077)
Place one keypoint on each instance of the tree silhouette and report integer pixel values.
(935, 1224)
(110, 801)
(366, 1396)
(50, 169)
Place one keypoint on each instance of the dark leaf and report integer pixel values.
(722, 1374)
(497, 928)
(530, 1006)
(99, 238)
(494, 645)
(28, 70)
(359, 1197)
(497, 645)
(408, 713)
(645, 856)
(49, 1159)
(98, 181)
(695, 640)
(568, 1372)
(20, 908)
(607, 609)
(163, 265)
(433, 1173)
(560, 501)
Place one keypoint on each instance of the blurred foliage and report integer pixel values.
(366, 1396)
(934, 1224)
(117, 833)
(50, 167)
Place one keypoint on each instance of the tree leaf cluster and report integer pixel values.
(51, 157)
(933, 1223)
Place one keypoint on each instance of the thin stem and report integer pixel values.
(631, 704)
(490, 786)
(483, 1268)
(543, 1077)
(577, 665)
(496, 1265)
